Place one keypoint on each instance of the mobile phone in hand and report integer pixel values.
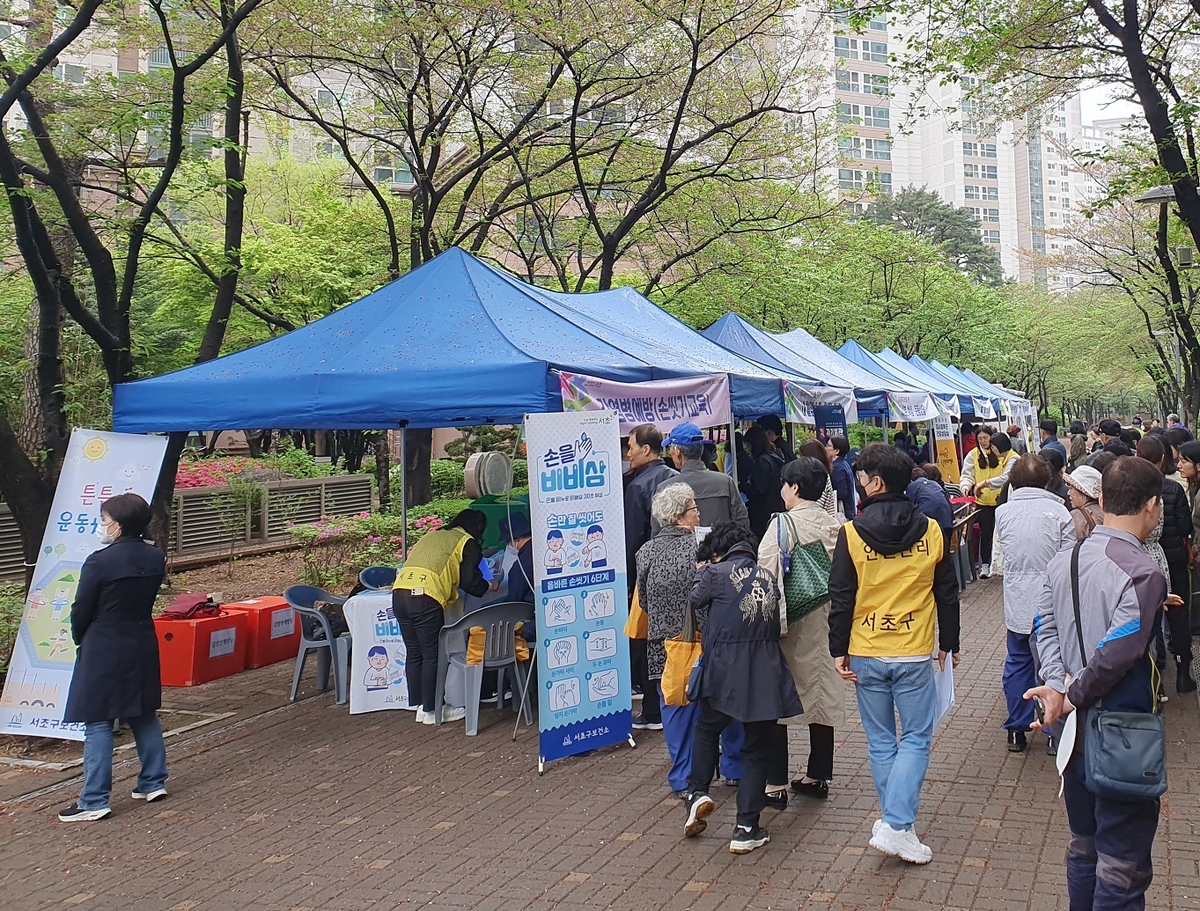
(1039, 709)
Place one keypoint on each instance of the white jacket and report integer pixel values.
(1031, 527)
(966, 484)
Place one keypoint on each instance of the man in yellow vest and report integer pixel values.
(438, 565)
(891, 578)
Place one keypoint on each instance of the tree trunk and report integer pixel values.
(417, 452)
(27, 494)
(383, 471)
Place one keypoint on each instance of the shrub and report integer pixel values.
(12, 609)
(520, 473)
(447, 478)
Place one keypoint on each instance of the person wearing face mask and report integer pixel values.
(116, 668)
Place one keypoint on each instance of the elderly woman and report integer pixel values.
(666, 565)
(1031, 527)
(116, 668)
(1083, 487)
(806, 647)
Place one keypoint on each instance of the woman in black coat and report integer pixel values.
(762, 484)
(116, 668)
(745, 678)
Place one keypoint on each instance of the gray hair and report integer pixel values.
(689, 450)
(671, 503)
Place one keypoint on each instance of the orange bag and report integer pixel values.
(638, 624)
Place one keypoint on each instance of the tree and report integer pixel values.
(953, 229)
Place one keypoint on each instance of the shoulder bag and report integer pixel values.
(806, 569)
(1124, 753)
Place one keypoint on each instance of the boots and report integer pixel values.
(1184, 683)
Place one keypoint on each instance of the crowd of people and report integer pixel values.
(792, 600)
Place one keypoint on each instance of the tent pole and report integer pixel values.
(404, 489)
(731, 449)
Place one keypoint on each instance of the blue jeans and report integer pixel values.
(679, 731)
(98, 756)
(1019, 676)
(898, 767)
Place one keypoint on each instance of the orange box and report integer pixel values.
(272, 630)
(200, 650)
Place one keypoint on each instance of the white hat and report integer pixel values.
(1086, 480)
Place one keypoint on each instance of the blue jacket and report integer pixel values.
(843, 485)
(1054, 444)
(930, 498)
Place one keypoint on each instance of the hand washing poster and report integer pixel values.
(577, 510)
(98, 466)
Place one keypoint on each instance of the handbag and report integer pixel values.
(806, 569)
(1124, 753)
(637, 625)
(695, 677)
(683, 653)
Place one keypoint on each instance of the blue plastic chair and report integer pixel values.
(378, 578)
(330, 650)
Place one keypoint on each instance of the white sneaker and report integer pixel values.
(451, 713)
(875, 827)
(424, 717)
(985, 570)
(903, 844)
(150, 796)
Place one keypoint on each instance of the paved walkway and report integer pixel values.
(305, 807)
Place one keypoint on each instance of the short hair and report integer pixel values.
(129, 511)
(756, 440)
(1176, 437)
(721, 540)
(890, 465)
(647, 435)
(671, 502)
(932, 472)
(1050, 426)
(771, 422)
(689, 451)
(554, 533)
(1002, 443)
(1151, 449)
(472, 521)
(377, 650)
(595, 529)
(1118, 447)
(1053, 458)
(1173, 419)
(807, 475)
(1190, 451)
(1130, 437)
(1013, 429)
(1078, 426)
(841, 444)
(1103, 459)
(1127, 485)
(1030, 471)
(815, 449)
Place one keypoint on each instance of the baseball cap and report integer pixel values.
(685, 434)
(1110, 428)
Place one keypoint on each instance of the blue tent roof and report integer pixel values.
(734, 334)
(853, 351)
(836, 368)
(455, 341)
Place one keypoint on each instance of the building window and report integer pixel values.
(987, 149)
(70, 72)
(988, 172)
(882, 183)
(850, 179)
(848, 81)
(845, 47)
(990, 215)
(875, 84)
(971, 149)
(1066, 202)
(878, 52)
(991, 193)
(879, 23)
(158, 59)
(879, 149)
(971, 170)
(864, 115)
(1054, 199)
(850, 147)
(971, 191)
(877, 117)
(325, 98)
(989, 236)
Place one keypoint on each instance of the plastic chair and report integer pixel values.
(378, 578)
(499, 654)
(301, 598)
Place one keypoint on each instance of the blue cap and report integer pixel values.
(686, 434)
(515, 526)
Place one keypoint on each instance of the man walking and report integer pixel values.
(1048, 431)
(892, 576)
(1121, 596)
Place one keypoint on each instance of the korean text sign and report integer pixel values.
(98, 466)
(702, 400)
(577, 510)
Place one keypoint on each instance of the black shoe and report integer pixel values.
(732, 782)
(683, 795)
(641, 723)
(1017, 742)
(744, 842)
(699, 806)
(1051, 747)
(776, 800)
(75, 813)
(1183, 679)
(818, 790)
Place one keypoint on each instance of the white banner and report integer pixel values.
(702, 400)
(378, 659)
(983, 408)
(577, 509)
(98, 466)
(799, 402)
(911, 406)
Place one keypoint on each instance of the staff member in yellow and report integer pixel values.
(439, 565)
(984, 474)
(891, 573)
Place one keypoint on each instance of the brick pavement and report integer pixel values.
(303, 806)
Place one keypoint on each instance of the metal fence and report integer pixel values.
(201, 524)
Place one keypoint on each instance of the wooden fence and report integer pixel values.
(200, 526)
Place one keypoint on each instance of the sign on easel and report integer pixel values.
(577, 510)
(98, 466)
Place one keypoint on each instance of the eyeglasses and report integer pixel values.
(690, 508)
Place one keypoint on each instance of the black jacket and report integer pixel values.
(746, 675)
(116, 668)
(1177, 522)
(762, 487)
(889, 524)
(639, 492)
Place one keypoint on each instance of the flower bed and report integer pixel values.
(211, 472)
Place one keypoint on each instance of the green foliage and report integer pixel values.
(12, 609)
(294, 462)
(238, 505)
(447, 477)
(484, 438)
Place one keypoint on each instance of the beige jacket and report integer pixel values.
(807, 644)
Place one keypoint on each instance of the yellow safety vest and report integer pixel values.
(894, 611)
(984, 472)
(433, 566)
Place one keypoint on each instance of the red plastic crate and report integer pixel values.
(197, 651)
(272, 629)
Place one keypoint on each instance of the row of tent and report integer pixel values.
(459, 342)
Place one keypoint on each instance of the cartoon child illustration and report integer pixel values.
(61, 602)
(554, 554)
(59, 643)
(595, 554)
(377, 676)
(36, 601)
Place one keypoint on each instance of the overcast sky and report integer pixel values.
(1098, 104)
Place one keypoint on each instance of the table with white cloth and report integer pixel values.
(377, 661)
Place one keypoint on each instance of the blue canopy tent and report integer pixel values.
(856, 353)
(996, 390)
(453, 342)
(982, 405)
